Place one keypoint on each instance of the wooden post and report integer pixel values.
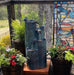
(11, 16)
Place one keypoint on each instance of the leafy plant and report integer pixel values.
(5, 41)
(53, 51)
(62, 53)
(69, 54)
(11, 57)
(31, 13)
(2, 49)
(19, 30)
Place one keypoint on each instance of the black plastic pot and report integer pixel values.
(61, 67)
(12, 70)
(19, 45)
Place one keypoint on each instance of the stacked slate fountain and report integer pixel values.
(35, 44)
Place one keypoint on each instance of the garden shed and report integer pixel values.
(59, 24)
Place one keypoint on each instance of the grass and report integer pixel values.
(4, 23)
(4, 28)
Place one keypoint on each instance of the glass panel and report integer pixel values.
(63, 23)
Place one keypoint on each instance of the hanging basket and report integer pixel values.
(12, 70)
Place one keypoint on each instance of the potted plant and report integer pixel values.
(19, 36)
(62, 59)
(11, 62)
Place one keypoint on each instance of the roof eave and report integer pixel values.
(5, 2)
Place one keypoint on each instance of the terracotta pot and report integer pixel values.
(12, 70)
(61, 67)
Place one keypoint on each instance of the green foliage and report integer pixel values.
(20, 59)
(31, 12)
(2, 49)
(53, 51)
(32, 16)
(69, 56)
(11, 56)
(5, 41)
(3, 13)
(62, 53)
(19, 30)
(3, 60)
(3, 23)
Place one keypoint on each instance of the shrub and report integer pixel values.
(2, 49)
(19, 30)
(5, 41)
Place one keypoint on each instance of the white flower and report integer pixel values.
(9, 50)
(17, 59)
(20, 55)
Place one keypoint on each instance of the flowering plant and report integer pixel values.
(11, 57)
(68, 47)
(69, 54)
(62, 53)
